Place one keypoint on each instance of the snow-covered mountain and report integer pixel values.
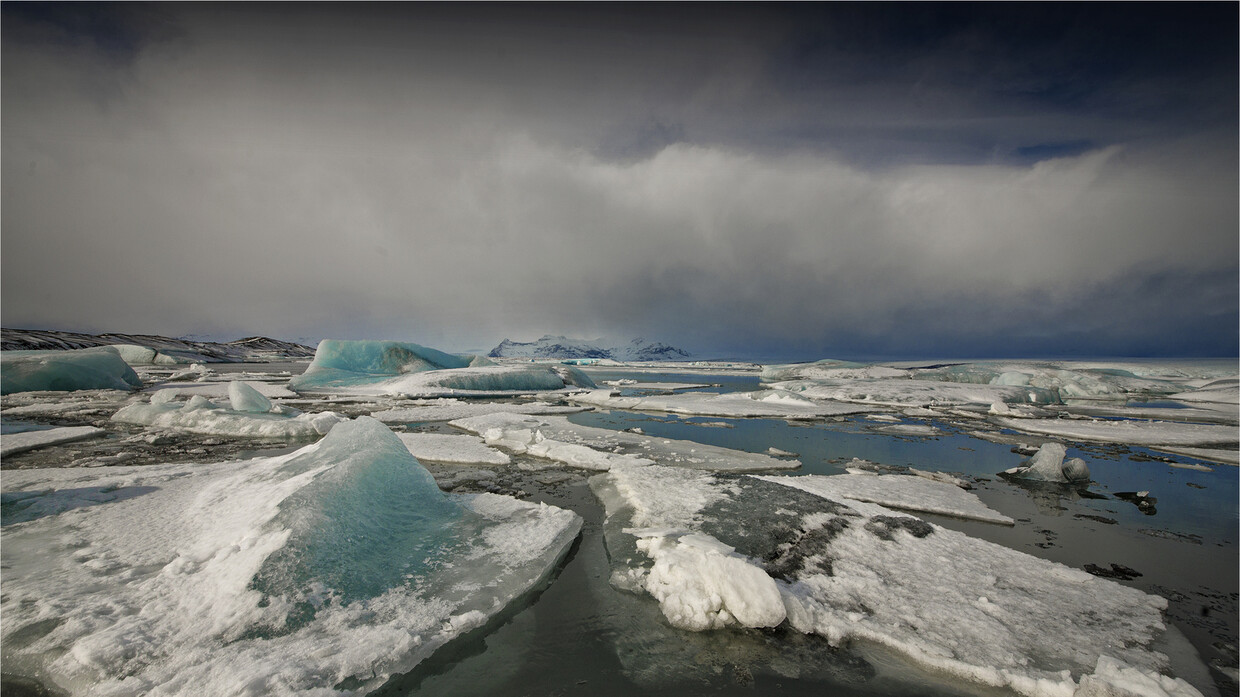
(550, 346)
(254, 348)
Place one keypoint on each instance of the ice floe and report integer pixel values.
(909, 493)
(460, 449)
(853, 571)
(556, 438)
(13, 443)
(1127, 431)
(451, 409)
(325, 570)
(777, 404)
(81, 369)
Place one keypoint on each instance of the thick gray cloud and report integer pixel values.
(453, 175)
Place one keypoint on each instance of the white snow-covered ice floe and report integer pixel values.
(452, 409)
(323, 571)
(587, 447)
(251, 415)
(717, 551)
(411, 370)
(13, 443)
(777, 404)
(904, 492)
(82, 369)
(1128, 432)
(462, 449)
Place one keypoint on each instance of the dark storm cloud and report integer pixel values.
(797, 179)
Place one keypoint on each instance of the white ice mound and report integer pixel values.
(393, 368)
(200, 415)
(82, 369)
(557, 438)
(1048, 465)
(850, 570)
(451, 409)
(328, 569)
(701, 584)
(244, 397)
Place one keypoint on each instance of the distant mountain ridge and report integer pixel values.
(560, 347)
(254, 348)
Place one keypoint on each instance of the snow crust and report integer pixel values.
(333, 567)
(13, 443)
(556, 438)
(82, 369)
(769, 403)
(849, 570)
(908, 493)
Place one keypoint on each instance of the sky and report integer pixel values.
(764, 181)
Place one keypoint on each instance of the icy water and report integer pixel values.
(581, 636)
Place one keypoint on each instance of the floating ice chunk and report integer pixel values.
(701, 584)
(545, 436)
(769, 403)
(133, 354)
(341, 563)
(454, 449)
(244, 397)
(200, 415)
(1114, 678)
(389, 367)
(924, 393)
(898, 491)
(218, 389)
(452, 409)
(196, 371)
(1128, 432)
(13, 443)
(164, 396)
(849, 570)
(82, 369)
(1048, 465)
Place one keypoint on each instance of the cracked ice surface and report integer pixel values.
(556, 438)
(848, 570)
(285, 575)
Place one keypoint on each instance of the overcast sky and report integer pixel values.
(767, 181)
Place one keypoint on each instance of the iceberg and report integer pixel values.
(200, 415)
(323, 571)
(133, 354)
(402, 369)
(1048, 465)
(65, 371)
(452, 449)
(700, 543)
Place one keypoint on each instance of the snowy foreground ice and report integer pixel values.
(717, 551)
(330, 568)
